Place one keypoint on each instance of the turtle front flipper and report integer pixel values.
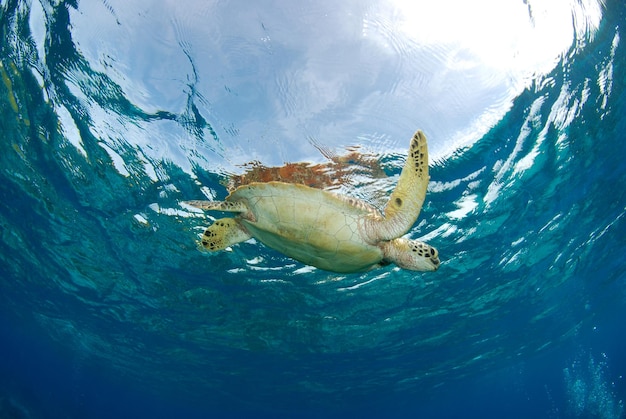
(223, 233)
(406, 201)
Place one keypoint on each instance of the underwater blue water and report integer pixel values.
(108, 309)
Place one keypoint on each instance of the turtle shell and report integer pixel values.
(311, 225)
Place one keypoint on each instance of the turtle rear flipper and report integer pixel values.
(226, 206)
(223, 233)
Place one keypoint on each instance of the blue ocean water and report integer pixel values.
(109, 309)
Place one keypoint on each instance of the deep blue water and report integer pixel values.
(109, 310)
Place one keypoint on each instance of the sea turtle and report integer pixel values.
(326, 230)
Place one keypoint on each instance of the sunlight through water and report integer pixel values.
(113, 114)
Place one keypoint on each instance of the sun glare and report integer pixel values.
(510, 35)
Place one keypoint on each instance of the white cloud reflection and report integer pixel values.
(271, 73)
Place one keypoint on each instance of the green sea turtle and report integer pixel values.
(326, 230)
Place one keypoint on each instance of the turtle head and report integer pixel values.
(411, 254)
